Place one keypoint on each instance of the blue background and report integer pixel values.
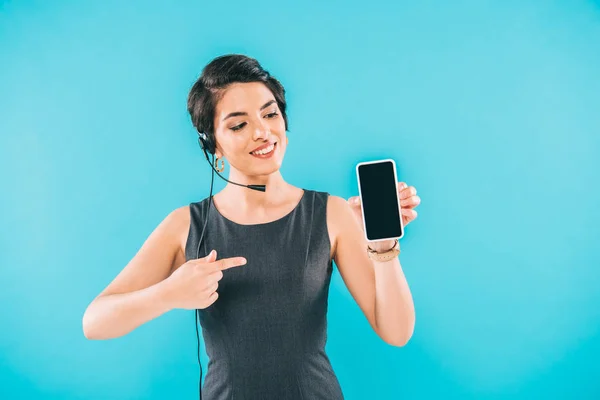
(491, 109)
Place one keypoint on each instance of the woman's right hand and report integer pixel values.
(194, 284)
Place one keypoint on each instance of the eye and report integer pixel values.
(272, 115)
(238, 127)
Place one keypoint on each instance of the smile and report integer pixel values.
(265, 153)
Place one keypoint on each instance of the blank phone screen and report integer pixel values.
(379, 196)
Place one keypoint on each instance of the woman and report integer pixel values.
(262, 283)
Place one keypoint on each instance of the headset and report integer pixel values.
(207, 143)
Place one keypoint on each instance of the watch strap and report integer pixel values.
(386, 255)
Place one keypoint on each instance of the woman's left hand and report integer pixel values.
(408, 202)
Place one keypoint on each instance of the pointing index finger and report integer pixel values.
(226, 263)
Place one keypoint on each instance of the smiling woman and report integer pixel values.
(262, 304)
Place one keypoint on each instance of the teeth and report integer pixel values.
(264, 151)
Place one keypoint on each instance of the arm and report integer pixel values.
(138, 294)
(379, 288)
(113, 315)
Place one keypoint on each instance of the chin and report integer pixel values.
(266, 170)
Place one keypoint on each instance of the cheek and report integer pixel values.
(239, 146)
(278, 125)
(231, 144)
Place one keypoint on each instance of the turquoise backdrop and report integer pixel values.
(491, 109)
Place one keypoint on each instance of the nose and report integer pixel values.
(262, 131)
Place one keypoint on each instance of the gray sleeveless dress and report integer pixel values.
(265, 335)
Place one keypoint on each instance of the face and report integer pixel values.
(247, 117)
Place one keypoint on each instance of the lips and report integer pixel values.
(264, 146)
(267, 155)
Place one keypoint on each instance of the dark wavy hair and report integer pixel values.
(216, 76)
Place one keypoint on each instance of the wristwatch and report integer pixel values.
(385, 256)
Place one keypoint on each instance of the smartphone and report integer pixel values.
(378, 190)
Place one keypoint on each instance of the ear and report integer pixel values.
(218, 152)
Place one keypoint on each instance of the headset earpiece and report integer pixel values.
(205, 142)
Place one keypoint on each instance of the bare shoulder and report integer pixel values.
(337, 210)
(179, 217)
(336, 204)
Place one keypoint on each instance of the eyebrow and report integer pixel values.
(238, 113)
